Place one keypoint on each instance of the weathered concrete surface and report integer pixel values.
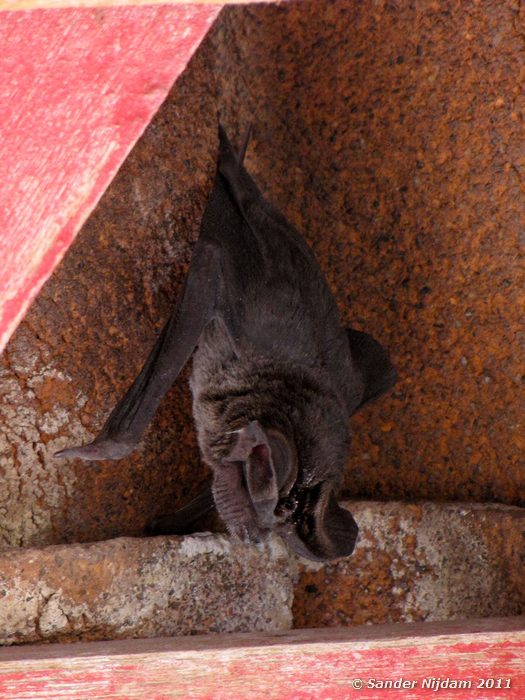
(424, 561)
(144, 588)
(391, 135)
(412, 562)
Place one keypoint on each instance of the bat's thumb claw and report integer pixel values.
(106, 449)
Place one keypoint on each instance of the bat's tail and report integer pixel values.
(230, 166)
(244, 145)
(230, 161)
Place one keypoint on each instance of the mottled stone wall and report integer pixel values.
(391, 135)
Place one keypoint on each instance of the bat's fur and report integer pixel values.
(275, 377)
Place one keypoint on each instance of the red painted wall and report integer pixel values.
(78, 88)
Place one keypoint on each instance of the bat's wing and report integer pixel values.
(373, 364)
(195, 307)
(242, 187)
(219, 241)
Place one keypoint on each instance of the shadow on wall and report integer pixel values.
(391, 138)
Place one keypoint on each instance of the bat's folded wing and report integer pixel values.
(195, 307)
(371, 360)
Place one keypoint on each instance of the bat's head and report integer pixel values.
(261, 486)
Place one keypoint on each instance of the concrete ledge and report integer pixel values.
(425, 561)
(421, 561)
(142, 588)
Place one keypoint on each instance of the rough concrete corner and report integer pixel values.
(130, 587)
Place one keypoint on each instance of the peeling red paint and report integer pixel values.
(304, 664)
(78, 88)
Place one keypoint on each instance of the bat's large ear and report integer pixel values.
(372, 362)
(264, 472)
(323, 530)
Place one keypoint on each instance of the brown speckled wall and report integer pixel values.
(392, 135)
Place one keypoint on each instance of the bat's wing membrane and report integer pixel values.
(373, 364)
(195, 307)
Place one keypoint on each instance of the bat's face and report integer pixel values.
(257, 490)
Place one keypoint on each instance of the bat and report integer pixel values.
(275, 376)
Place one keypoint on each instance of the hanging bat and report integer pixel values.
(275, 377)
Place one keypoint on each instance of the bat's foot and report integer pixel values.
(106, 449)
(248, 532)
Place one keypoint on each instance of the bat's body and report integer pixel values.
(275, 377)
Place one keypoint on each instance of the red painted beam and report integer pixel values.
(461, 660)
(77, 88)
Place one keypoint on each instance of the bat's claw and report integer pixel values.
(106, 449)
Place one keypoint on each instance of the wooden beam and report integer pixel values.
(460, 659)
(78, 88)
(6, 5)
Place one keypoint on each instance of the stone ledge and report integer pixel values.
(421, 561)
(143, 588)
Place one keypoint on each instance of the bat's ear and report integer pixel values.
(323, 529)
(253, 449)
(372, 362)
